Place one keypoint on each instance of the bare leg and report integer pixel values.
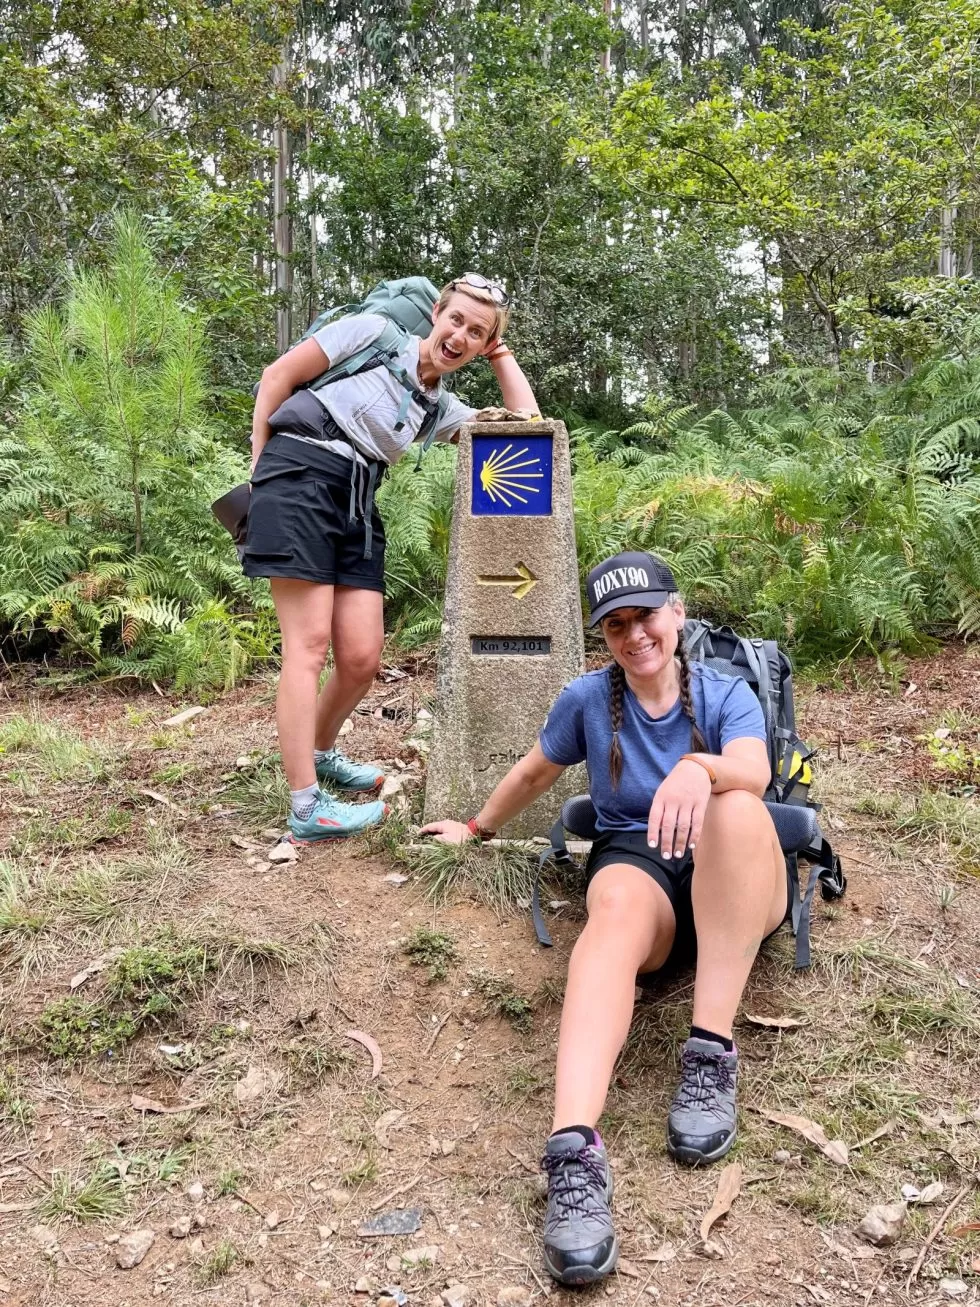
(739, 895)
(304, 610)
(358, 634)
(630, 929)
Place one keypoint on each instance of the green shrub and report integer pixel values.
(110, 551)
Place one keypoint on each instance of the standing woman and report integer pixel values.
(687, 862)
(314, 529)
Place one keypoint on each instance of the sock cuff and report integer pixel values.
(699, 1032)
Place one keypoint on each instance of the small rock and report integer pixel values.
(181, 1228)
(427, 1253)
(256, 1291)
(195, 1191)
(326, 1232)
(282, 852)
(199, 1221)
(386, 1300)
(196, 1247)
(457, 1295)
(243, 761)
(133, 1247)
(270, 834)
(515, 1295)
(953, 1288)
(365, 1285)
(394, 878)
(883, 1224)
(782, 1156)
(346, 726)
(271, 1219)
(338, 1197)
(403, 1220)
(45, 1239)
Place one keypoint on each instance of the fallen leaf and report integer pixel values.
(180, 718)
(729, 1184)
(969, 1228)
(975, 1266)
(255, 1084)
(665, 1253)
(625, 1267)
(366, 1041)
(880, 1133)
(946, 1118)
(713, 1249)
(776, 1023)
(835, 1149)
(859, 1253)
(157, 797)
(930, 1193)
(141, 1104)
(93, 968)
(385, 1122)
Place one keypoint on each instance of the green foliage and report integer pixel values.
(75, 1197)
(432, 949)
(109, 546)
(838, 518)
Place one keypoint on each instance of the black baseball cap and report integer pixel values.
(631, 580)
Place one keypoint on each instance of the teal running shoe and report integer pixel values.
(333, 820)
(346, 775)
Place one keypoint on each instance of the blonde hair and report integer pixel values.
(501, 312)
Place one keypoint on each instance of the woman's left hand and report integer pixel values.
(449, 832)
(678, 808)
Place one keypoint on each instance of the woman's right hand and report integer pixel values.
(449, 832)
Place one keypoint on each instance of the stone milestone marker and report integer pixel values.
(512, 627)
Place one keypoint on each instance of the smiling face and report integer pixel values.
(644, 640)
(462, 328)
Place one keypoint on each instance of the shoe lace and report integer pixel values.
(575, 1182)
(703, 1077)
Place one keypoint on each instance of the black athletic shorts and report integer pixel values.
(673, 875)
(299, 519)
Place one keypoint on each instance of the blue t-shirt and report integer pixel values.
(579, 729)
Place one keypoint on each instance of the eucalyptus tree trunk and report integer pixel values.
(947, 241)
(281, 223)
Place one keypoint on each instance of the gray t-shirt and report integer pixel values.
(366, 406)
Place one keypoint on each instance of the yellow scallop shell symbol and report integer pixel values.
(507, 476)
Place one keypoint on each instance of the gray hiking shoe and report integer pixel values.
(579, 1240)
(701, 1123)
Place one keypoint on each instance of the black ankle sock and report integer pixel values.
(586, 1131)
(698, 1032)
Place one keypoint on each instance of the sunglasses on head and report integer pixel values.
(493, 289)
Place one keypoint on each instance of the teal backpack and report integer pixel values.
(407, 306)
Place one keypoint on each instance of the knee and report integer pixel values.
(307, 647)
(614, 905)
(358, 665)
(736, 809)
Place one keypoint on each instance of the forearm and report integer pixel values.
(735, 773)
(515, 388)
(524, 783)
(272, 392)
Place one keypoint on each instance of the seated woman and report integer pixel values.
(687, 863)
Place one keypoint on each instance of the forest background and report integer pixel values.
(740, 239)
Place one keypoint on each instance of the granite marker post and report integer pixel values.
(512, 626)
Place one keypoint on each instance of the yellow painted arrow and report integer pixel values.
(523, 583)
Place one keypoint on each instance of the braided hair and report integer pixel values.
(617, 688)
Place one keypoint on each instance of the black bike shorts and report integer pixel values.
(673, 875)
(299, 519)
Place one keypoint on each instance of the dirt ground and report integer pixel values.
(150, 951)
